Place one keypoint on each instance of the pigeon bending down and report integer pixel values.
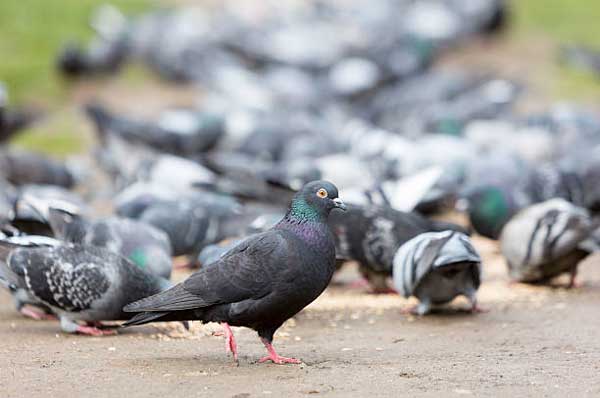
(265, 280)
(545, 240)
(25, 303)
(146, 246)
(436, 267)
(79, 283)
(372, 235)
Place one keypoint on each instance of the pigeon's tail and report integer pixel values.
(173, 299)
(146, 317)
(440, 226)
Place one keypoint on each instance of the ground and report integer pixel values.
(533, 341)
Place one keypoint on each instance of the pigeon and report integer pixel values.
(371, 235)
(263, 281)
(144, 245)
(12, 121)
(181, 132)
(79, 283)
(21, 167)
(543, 241)
(436, 267)
(490, 207)
(29, 220)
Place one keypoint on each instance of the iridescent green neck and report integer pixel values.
(302, 212)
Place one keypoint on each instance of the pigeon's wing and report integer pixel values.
(244, 272)
(62, 277)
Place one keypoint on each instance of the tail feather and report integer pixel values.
(173, 299)
(145, 317)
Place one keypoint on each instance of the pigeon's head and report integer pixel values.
(315, 200)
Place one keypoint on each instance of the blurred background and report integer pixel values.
(32, 33)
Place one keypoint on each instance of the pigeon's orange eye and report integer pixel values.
(322, 193)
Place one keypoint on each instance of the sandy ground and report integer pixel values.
(534, 341)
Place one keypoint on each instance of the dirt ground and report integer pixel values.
(534, 341)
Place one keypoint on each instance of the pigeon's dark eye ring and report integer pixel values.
(322, 193)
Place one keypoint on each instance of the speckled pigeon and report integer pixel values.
(79, 283)
(263, 281)
(436, 267)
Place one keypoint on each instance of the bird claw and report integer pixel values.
(276, 359)
(412, 310)
(37, 315)
(93, 331)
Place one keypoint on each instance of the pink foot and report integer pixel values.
(230, 345)
(361, 283)
(274, 357)
(476, 309)
(93, 331)
(412, 310)
(37, 315)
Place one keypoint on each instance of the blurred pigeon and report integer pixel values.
(180, 132)
(144, 245)
(12, 121)
(248, 286)
(78, 282)
(542, 241)
(371, 235)
(105, 54)
(436, 267)
(20, 167)
(29, 220)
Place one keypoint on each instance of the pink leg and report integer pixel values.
(37, 315)
(230, 345)
(92, 331)
(274, 357)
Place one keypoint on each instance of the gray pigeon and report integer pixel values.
(21, 167)
(146, 246)
(436, 267)
(79, 283)
(263, 281)
(181, 132)
(543, 241)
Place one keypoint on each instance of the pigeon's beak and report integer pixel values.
(337, 202)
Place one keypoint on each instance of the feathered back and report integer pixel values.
(430, 250)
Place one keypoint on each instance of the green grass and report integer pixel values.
(566, 21)
(562, 22)
(31, 34)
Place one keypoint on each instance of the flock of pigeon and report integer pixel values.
(294, 96)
